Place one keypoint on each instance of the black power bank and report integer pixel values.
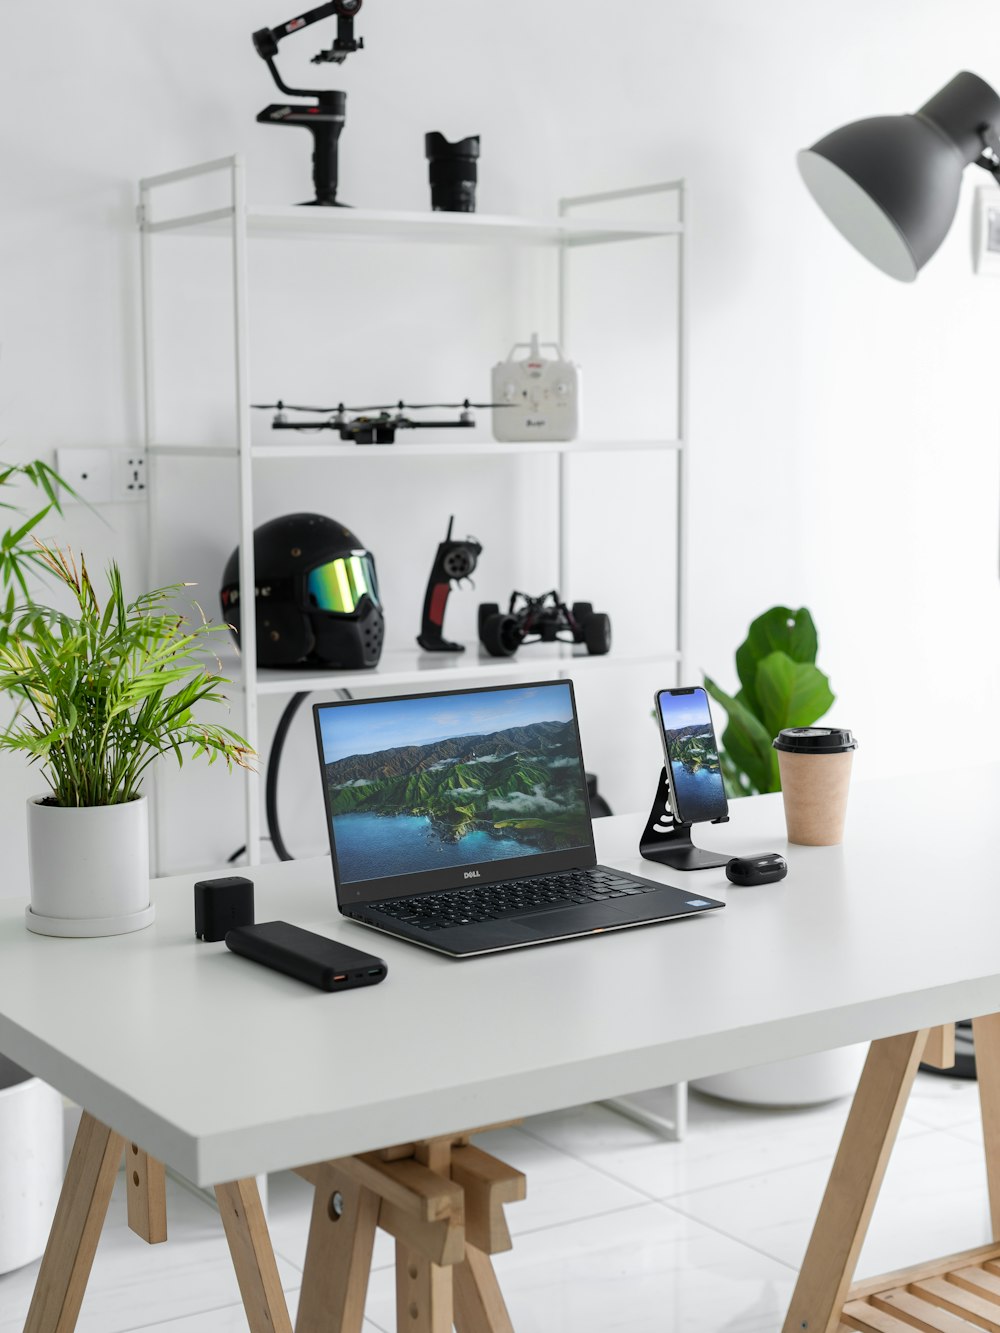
(306, 956)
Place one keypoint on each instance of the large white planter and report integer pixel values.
(89, 868)
(804, 1081)
(31, 1164)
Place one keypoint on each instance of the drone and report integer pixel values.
(374, 424)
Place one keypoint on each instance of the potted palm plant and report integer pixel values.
(19, 553)
(103, 691)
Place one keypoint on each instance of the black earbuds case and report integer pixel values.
(767, 868)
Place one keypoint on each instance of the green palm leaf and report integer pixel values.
(103, 692)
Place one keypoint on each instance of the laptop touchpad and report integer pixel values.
(569, 920)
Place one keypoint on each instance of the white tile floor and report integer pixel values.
(620, 1233)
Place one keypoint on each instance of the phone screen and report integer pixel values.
(696, 787)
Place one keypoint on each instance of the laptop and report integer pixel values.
(460, 821)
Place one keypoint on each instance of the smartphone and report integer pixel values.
(697, 791)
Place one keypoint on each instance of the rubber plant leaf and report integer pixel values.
(746, 741)
(777, 630)
(791, 694)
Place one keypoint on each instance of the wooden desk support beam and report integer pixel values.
(488, 1184)
(442, 1243)
(442, 1200)
(146, 1190)
(409, 1185)
(939, 1052)
(458, 1140)
(406, 1184)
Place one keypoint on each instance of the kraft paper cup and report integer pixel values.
(815, 767)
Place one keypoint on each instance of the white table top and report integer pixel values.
(224, 1069)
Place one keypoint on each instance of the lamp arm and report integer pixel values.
(989, 158)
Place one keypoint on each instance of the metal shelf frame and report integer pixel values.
(237, 223)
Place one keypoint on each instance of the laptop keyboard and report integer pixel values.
(513, 897)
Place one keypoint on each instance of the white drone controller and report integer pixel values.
(540, 397)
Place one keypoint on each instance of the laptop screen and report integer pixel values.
(434, 791)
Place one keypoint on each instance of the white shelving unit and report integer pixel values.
(239, 224)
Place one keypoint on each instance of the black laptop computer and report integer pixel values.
(461, 821)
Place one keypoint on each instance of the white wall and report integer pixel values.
(844, 428)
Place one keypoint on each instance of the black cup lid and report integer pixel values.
(815, 740)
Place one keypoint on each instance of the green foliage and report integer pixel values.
(104, 691)
(780, 686)
(19, 554)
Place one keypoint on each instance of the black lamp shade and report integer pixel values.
(890, 185)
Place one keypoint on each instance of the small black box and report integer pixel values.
(221, 905)
(748, 870)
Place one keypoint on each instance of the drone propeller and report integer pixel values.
(399, 406)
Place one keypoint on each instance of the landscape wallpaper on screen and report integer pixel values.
(471, 778)
(694, 756)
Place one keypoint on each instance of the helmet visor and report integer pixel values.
(340, 584)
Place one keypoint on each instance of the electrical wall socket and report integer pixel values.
(129, 474)
(103, 476)
(88, 471)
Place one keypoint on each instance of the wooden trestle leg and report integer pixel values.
(76, 1229)
(853, 1187)
(441, 1199)
(253, 1257)
(338, 1255)
(956, 1294)
(479, 1304)
(986, 1042)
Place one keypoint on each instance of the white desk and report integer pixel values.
(225, 1070)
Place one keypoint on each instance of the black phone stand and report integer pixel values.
(668, 842)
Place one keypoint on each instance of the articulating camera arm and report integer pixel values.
(266, 40)
(326, 119)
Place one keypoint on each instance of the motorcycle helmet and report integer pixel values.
(317, 598)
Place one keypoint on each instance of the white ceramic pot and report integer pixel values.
(805, 1081)
(31, 1164)
(89, 868)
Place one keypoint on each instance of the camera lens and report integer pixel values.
(453, 172)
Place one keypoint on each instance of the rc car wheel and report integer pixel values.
(597, 634)
(582, 611)
(501, 636)
(487, 609)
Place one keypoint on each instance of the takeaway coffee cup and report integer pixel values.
(815, 767)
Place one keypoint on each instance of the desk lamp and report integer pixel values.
(890, 184)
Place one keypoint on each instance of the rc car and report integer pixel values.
(542, 619)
